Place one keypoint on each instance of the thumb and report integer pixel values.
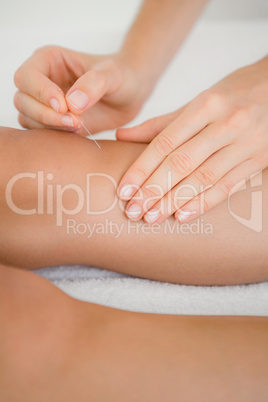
(146, 131)
(92, 86)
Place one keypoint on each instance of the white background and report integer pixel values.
(215, 47)
(111, 14)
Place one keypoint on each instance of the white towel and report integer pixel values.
(135, 294)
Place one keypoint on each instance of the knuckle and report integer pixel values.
(180, 162)
(46, 49)
(16, 101)
(18, 77)
(140, 172)
(41, 92)
(98, 77)
(211, 100)
(163, 145)
(205, 206)
(41, 49)
(218, 132)
(205, 176)
(225, 186)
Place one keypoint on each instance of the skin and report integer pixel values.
(104, 354)
(231, 246)
(214, 143)
(56, 348)
(111, 88)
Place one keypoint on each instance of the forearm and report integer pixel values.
(157, 33)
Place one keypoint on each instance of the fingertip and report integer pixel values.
(69, 120)
(57, 102)
(185, 215)
(77, 100)
(152, 216)
(86, 91)
(133, 134)
(125, 191)
(16, 100)
(134, 212)
(121, 134)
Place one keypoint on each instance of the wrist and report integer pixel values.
(141, 70)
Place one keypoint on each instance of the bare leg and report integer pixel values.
(54, 348)
(232, 254)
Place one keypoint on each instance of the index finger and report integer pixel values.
(189, 123)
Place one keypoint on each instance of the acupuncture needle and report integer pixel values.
(89, 133)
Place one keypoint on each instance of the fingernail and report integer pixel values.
(152, 215)
(133, 211)
(184, 215)
(67, 121)
(78, 99)
(126, 191)
(54, 104)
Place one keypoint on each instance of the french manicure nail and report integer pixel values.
(67, 121)
(78, 99)
(54, 104)
(126, 191)
(183, 215)
(152, 215)
(133, 211)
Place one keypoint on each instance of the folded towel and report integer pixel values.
(135, 294)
